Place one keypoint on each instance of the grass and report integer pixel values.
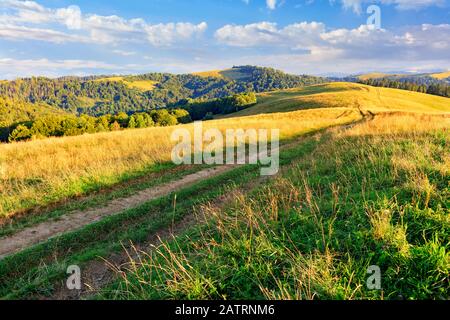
(233, 74)
(442, 75)
(41, 172)
(151, 177)
(209, 74)
(143, 85)
(375, 75)
(348, 95)
(377, 194)
(35, 271)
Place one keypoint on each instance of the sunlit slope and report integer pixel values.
(375, 75)
(40, 172)
(143, 85)
(441, 76)
(347, 95)
(231, 74)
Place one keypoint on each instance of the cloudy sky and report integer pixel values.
(320, 37)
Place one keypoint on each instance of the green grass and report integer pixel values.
(346, 95)
(142, 85)
(376, 195)
(129, 184)
(34, 272)
(232, 74)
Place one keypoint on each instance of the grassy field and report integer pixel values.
(143, 85)
(349, 197)
(374, 75)
(348, 95)
(40, 172)
(233, 74)
(377, 194)
(442, 75)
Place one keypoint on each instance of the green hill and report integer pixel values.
(346, 95)
(14, 111)
(113, 94)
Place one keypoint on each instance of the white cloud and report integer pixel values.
(71, 17)
(271, 4)
(419, 42)
(92, 27)
(14, 32)
(356, 5)
(169, 33)
(268, 33)
(124, 53)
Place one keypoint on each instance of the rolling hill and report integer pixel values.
(422, 78)
(143, 85)
(346, 95)
(235, 73)
(113, 94)
(361, 167)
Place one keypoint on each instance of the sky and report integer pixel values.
(318, 37)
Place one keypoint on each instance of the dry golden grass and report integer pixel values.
(442, 75)
(233, 74)
(43, 171)
(375, 75)
(209, 74)
(293, 246)
(143, 85)
(348, 95)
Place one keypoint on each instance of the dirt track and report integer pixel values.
(78, 219)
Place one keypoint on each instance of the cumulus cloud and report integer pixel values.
(271, 4)
(15, 32)
(268, 33)
(356, 5)
(424, 41)
(20, 15)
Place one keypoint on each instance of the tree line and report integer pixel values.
(42, 125)
(438, 89)
(95, 96)
(200, 109)
(71, 125)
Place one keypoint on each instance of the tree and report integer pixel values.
(115, 126)
(132, 122)
(20, 133)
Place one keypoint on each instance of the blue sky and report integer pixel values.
(321, 37)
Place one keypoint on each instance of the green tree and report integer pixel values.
(115, 126)
(20, 133)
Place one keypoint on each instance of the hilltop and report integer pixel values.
(113, 94)
(361, 167)
(421, 78)
(346, 95)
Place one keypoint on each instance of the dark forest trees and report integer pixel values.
(71, 125)
(96, 96)
(438, 89)
(205, 109)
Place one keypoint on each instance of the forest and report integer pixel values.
(44, 124)
(200, 109)
(95, 97)
(66, 106)
(438, 89)
(71, 125)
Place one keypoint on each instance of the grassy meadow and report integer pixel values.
(41, 172)
(143, 85)
(376, 194)
(348, 197)
(348, 95)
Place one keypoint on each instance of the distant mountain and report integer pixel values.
(99, 95)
